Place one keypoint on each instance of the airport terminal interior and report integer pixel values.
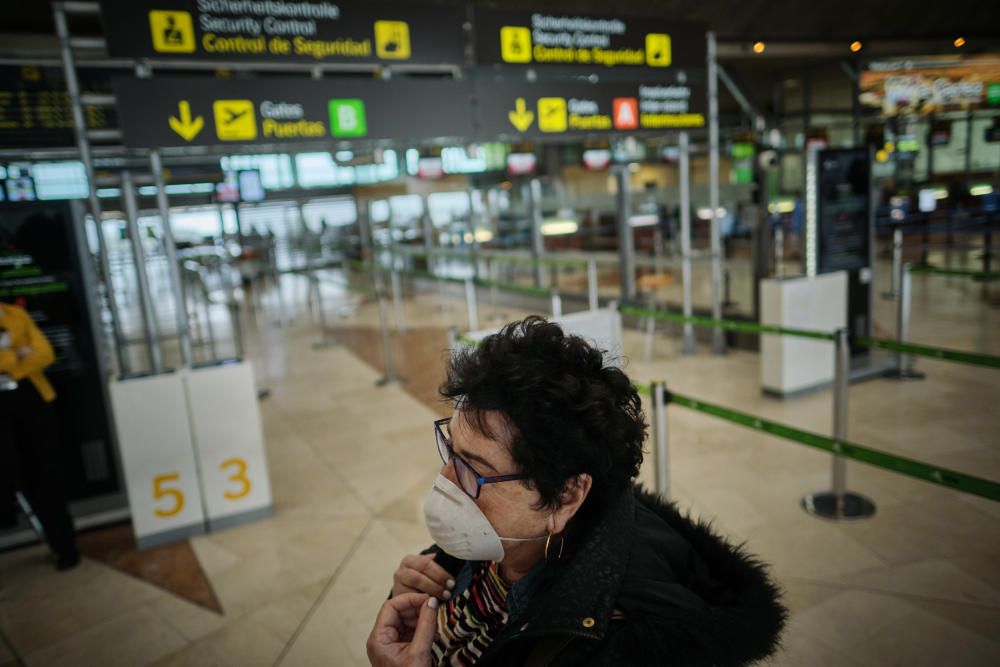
(242, 240)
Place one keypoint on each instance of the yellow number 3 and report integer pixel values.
(238, 476)
(160, 492)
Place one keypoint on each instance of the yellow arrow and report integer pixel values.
(521, 118)
(185, 126)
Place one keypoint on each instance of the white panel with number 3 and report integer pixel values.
(229, 439)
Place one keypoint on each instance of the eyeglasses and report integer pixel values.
(468, 478)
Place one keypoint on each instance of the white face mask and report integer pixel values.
(459, 527)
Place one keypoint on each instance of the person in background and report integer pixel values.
(545, 553)
(29, 443)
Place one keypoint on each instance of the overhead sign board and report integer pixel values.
(202, 112)
(555, 109)
(306, 31)
(538, 38)
(931, 86)
(35, 109)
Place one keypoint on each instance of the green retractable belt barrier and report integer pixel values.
(965, 273)
(730, 325)
(973, 358)
(928, 473)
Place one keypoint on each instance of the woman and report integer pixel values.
(29, 448)
(545, 553)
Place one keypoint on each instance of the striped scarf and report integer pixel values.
(470, 621)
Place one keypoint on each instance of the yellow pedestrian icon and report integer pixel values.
(172, 32)
(515, 44)
(187, 127)
(235, 120)
(520, 117)
(658, 50)
(392, 40)
(552, 114)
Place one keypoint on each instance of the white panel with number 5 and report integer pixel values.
(229, 439)
(158, 457)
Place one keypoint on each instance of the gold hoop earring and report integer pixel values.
(562, 543)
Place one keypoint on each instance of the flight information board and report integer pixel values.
(35, 109)
(46, 269)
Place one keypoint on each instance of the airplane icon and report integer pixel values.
(234, 115)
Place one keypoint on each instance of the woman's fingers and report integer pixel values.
(422, 573)
(426, 630)
(419, 581)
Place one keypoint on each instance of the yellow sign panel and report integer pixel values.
(658, 50)
(552, 114)
(172, 32)
(183, 124)
(392, 40)
(235, 120)
(520, 117)
(515, 44)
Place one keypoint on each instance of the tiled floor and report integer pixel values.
(350, 463)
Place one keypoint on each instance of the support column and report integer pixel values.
(718, 335)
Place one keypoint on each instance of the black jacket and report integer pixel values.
(643, 584)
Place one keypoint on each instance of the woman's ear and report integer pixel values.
(573, 494)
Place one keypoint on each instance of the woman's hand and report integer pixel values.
(404, 632)
(420, 574)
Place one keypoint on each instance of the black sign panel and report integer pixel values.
(844, 234)
(200, 112)
(35, 110)
(42, 270)
(306, 31)
(541, 38)
(557, 109)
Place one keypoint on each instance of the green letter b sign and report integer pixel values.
(347, 118)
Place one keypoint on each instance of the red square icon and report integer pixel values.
(626, 113)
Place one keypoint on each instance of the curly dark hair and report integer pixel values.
(565, 411)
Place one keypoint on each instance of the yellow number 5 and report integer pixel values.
(160, 492)
(239, 476)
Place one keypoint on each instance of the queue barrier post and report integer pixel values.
(839, 504)
(658, 394)
(592, 284)
(397, 299)
(383, 322)
(317, 290)
(556, 303)
(897, 263)
(904, 363)
(470, 304)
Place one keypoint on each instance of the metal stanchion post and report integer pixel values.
(658, 397)
(897, 262)
(840, 504)
(904, 364)
(317, 289)
(779, 251)
(688, 346)
(592, 284)
(556, 304)
(383, 322)
(650, 323)
(470, 304)
(397, 299)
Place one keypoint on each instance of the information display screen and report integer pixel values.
(35, 109)
(41, 271)
(844, 234)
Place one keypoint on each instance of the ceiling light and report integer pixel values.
(758, 47)
(855, 46)
(959, 42)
